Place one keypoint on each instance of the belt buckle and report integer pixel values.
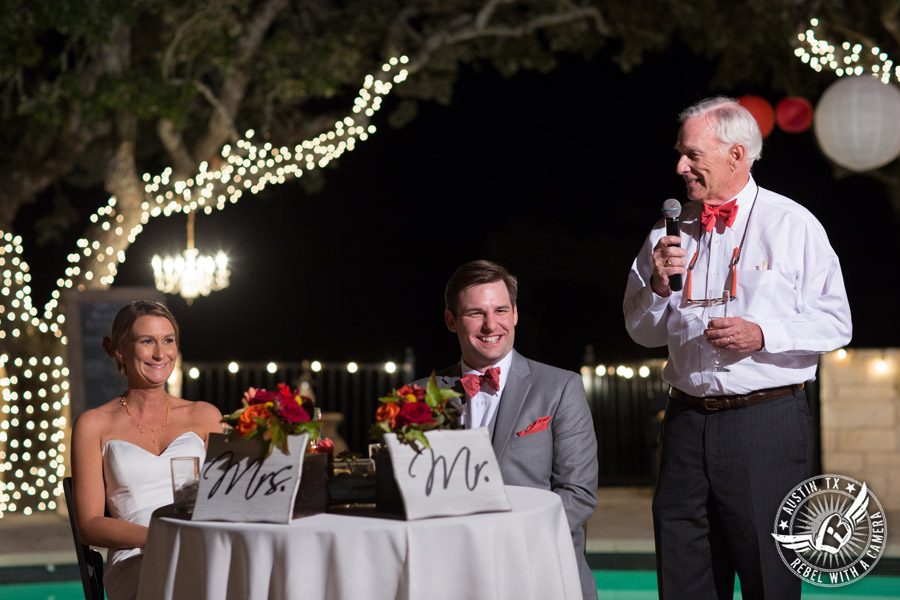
(706, 405)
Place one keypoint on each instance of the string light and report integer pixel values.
(251, 167)
(33, 420)
(31, 475)
(844, 59)
(626, 371)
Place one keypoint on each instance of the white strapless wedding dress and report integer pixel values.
(137, 483)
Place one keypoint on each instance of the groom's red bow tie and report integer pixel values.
(472, 382)
(712, 214)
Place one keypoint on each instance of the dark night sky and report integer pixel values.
(559, 177)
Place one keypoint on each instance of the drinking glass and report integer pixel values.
(185, 482)
(718, 309)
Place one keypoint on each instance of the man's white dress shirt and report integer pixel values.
(483, 406)
(789, 282)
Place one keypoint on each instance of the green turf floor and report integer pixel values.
(611, 585)
(641, 585)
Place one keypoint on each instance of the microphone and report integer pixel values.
(671, 210)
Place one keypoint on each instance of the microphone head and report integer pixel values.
(671, 208)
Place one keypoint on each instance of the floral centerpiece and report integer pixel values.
(412, 410)
(270, 417)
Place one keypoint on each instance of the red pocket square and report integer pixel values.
(539, 425)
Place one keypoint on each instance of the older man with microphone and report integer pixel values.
(736, 437)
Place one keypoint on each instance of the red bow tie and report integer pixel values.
(712, 214)
(472, 382)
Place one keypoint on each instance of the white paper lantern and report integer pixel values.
(857, 123)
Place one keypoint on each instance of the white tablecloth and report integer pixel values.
(523, 554)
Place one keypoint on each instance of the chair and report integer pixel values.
(90, 562)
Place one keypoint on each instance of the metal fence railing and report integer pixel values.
(627, 402)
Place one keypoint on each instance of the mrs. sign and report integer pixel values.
(236, 485)
(458, 475)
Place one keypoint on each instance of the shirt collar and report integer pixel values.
(745, 199)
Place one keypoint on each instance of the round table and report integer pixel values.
(526, 553)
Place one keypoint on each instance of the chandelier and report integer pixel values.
(191, 274)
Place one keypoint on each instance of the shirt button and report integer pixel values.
(715, 273)
(717, 242)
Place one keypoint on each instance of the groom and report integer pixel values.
(540, 425)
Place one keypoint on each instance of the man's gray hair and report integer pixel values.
(734, 124)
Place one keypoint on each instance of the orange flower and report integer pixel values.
(387, 412)
(246, 423)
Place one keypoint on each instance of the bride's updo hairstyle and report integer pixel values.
(124, 321)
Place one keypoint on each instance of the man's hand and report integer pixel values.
(734, 334)
(668, 260)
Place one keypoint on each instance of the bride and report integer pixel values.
(121, 449)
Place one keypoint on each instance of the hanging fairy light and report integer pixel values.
(191, 274)
(250, 167)
(33, 396)
(844, 59)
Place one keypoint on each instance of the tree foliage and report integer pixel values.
(95, 92)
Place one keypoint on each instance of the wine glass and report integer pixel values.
(718, 309)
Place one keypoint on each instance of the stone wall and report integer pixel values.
(860, 410)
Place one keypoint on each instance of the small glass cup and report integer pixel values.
(185, 482)
(718, 309)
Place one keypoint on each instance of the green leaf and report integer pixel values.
(311, 428)
(279, 437)
(265, 449)
(414, 435)
(447, 393)
(233, 416)
(432, 392)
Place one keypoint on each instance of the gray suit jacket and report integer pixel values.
(561, 459)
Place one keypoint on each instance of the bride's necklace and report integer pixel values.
(154, 432)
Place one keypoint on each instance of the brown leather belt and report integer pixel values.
(713, 403)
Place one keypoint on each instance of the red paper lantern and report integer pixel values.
(794, 114)
(761, 110)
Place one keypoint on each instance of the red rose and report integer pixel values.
(291, 412)
(414, 413)
(416, 391)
